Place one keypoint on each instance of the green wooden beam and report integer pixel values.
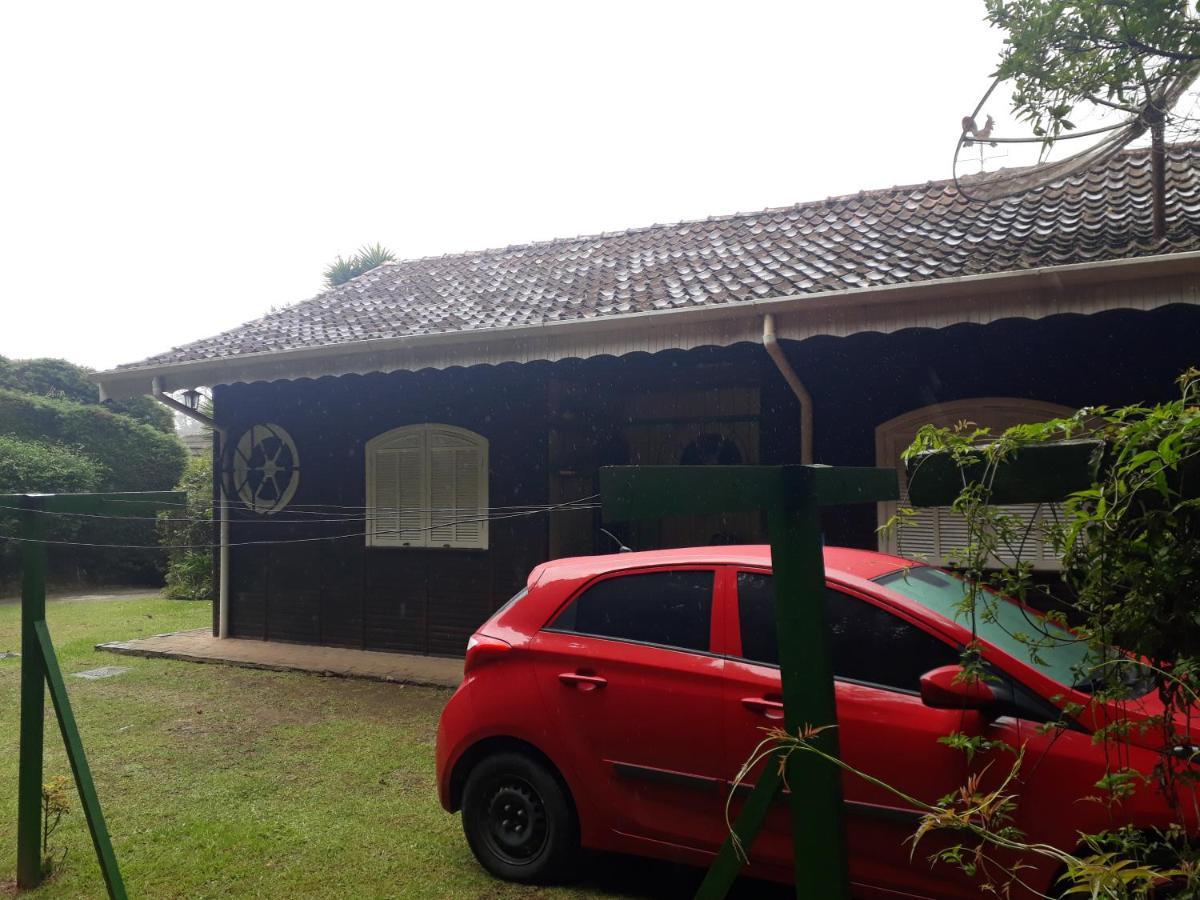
(1038, 473)
(645, 492)
(131, 503)
(728, 864)
(79, 767)
(792, 497)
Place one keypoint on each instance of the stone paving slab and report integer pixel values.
(199, 645)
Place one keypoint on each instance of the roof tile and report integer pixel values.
(870, 238)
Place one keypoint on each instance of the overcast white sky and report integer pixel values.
(170, 170)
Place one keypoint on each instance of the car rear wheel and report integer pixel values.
(518, 820)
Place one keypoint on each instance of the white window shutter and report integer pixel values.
(471, 528)
(396, 490)
(427, 487)
(457, 476)
(935, 533)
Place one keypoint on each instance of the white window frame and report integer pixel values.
(996, 413)
(379, 534)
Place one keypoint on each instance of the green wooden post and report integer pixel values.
(33, 695)
(39, 667)
(79, 767)
(791, 496)
(806, 677)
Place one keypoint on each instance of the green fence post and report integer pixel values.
(33, 695)
(806, 677)
(792, 497)
(39, 667)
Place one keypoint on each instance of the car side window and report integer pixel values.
(867, 644)
(672, 609)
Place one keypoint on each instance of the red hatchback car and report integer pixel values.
(611, 702)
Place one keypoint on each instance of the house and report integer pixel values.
(392, 445)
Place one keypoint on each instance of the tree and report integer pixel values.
(367, 258)
(62, 380)
(1126, 55)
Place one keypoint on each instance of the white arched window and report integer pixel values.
(934, 533)
(427, 486)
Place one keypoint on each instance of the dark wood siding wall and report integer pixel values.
(857, 383)
(550, 425)
(342, 593)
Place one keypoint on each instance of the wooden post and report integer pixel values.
(33, 695)
(39, 668)
(792, 497)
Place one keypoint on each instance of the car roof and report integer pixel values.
(865, 564)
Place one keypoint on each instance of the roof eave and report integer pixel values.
(341, 358)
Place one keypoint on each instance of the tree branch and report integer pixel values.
(1159, 51)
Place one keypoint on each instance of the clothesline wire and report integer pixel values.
(561, 507)
(376, 512)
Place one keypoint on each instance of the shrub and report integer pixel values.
(134, 456)
(190, 572)
(62, 380)
(126, 455)
(34, 467)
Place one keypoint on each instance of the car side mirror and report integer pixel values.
(949, 688)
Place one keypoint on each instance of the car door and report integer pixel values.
(883, 729)
(628, 673)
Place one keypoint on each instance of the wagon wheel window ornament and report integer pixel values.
(265, 470)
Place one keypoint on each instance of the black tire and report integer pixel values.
(518, 820)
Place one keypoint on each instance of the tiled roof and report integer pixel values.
(881, 237)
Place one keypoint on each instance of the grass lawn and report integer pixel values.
(226, 782)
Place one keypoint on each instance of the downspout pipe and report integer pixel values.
(223, 540)
(775, 351)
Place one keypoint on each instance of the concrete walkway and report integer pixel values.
(95, 595)
(198, 645)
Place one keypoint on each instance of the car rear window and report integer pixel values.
(867, 644)
(671, 609)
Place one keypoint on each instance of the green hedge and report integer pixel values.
(63, 380)
(123, 455)
(34, 467)
(134, 457)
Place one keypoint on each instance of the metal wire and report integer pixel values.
(372, 512)
(568, 506)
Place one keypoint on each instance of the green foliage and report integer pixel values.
(1060, 54)
(34, 467)
(134, 456)
(62, 380)
(367, 258)
(1130, 550)
(124, 455)
(49, 378)
(190, 571)
(56, 803)
(146, 410)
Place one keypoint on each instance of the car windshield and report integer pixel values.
(1019, 632)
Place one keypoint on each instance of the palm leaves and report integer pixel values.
(368, 257)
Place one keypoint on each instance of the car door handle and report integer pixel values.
(772, 709)
(582, 682)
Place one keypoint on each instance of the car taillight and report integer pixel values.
(482, 649)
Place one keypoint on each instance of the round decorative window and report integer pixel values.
(266, 468)
(711, 450)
